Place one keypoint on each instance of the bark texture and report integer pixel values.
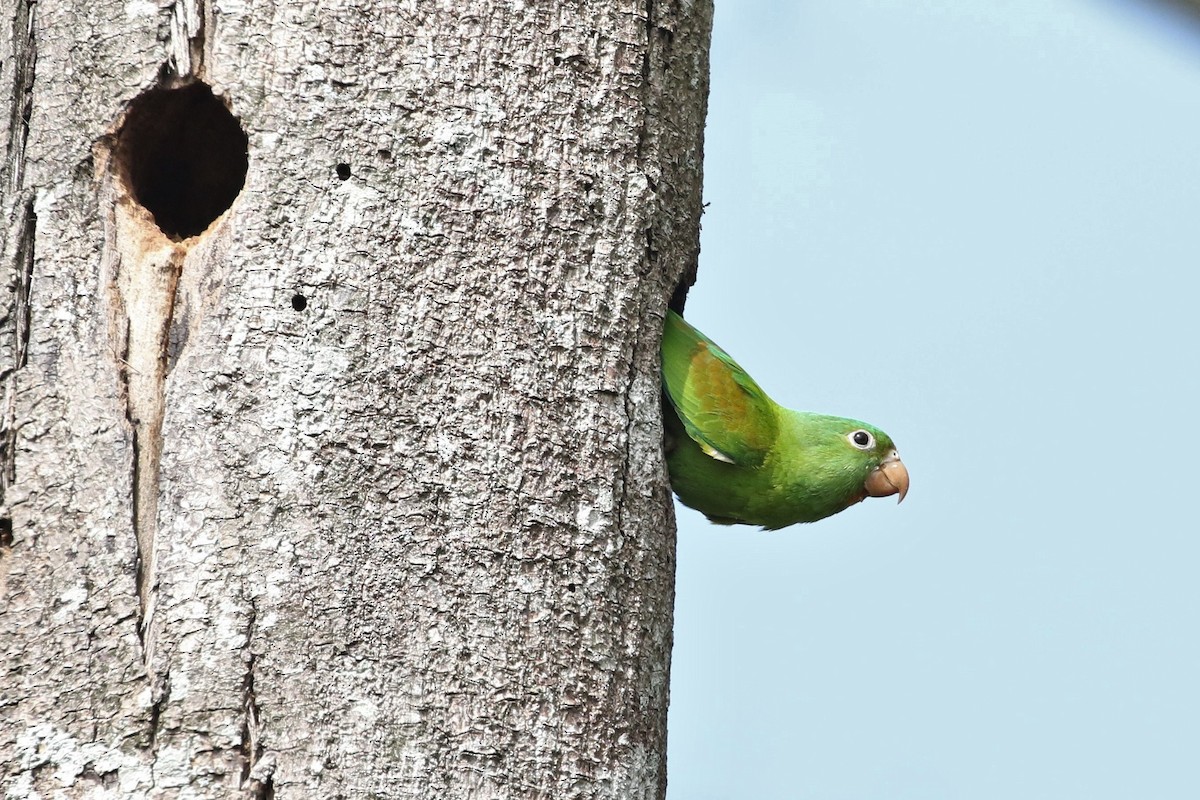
(358, 492)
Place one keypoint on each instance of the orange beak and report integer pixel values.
(890, 477)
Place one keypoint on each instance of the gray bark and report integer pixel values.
(359, 492)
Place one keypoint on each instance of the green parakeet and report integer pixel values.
(738, 457)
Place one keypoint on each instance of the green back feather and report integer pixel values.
(722, 409)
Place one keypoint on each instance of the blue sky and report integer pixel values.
(977, 226)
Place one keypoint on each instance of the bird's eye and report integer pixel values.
(861, 439)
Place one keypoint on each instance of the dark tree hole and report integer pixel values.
(343, 171)
(183, 156)
(299, 302)
(6, 533)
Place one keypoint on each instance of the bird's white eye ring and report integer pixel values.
(861, 439)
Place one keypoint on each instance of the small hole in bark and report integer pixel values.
(299, 302)
(6, 533)
(183, 156)
(343, 171)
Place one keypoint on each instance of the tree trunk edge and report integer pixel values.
(244, 751)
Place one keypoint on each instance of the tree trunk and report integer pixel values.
(336, 471)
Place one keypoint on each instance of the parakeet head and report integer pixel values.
(846, 461)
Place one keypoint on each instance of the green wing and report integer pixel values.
(722, 408)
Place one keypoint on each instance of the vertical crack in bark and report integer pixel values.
(18, 254)
(647, 63)
(156, 710)
(26, 232)
(189, 23)
(257, 772)
(630, 431)
(147, 281)
(149, 348)
(25, 253)
(21, 110)
(251, 750)
(143, 288)
(650, 254)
